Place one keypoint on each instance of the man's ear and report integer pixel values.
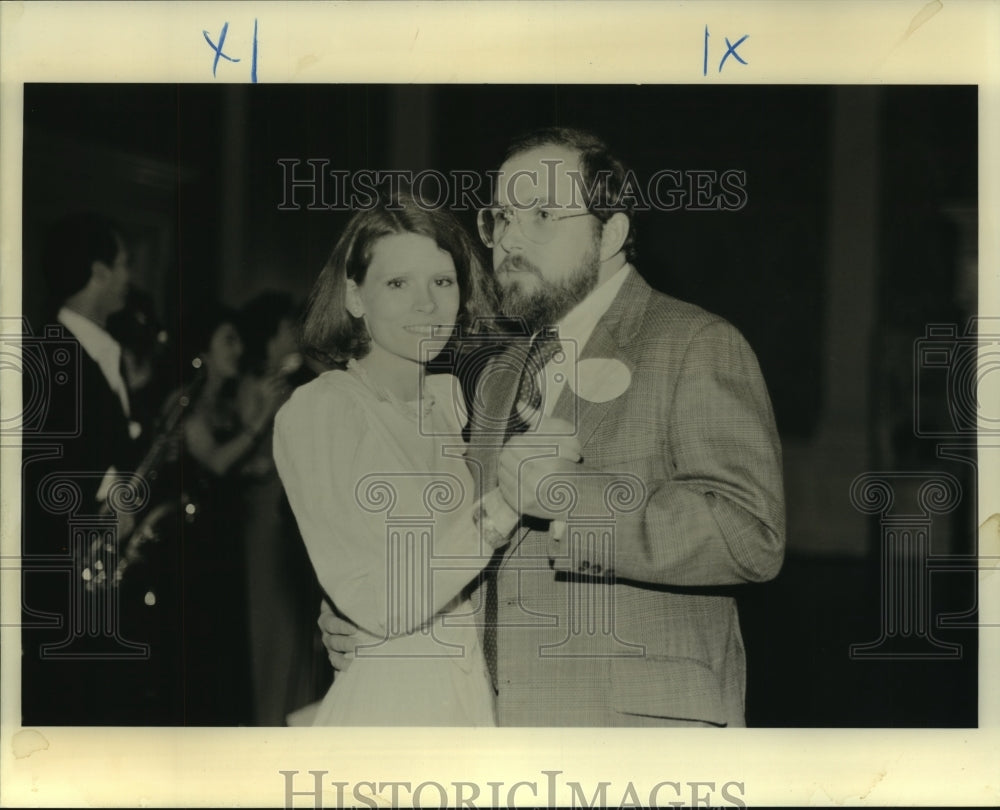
(99, 271)
(613, 235)
(353, 300)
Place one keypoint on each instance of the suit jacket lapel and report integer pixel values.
(610, 339)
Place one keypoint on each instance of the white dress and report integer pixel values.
(383, 499)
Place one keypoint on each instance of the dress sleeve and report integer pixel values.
(385, 584)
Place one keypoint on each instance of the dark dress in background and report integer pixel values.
(289, 665)
(215, 666)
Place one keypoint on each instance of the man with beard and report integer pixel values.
(648, 481)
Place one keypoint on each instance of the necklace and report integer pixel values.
(408, 409)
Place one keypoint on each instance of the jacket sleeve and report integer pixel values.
(386, 583)
(716, 516)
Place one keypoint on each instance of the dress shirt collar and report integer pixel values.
(579, 322)
(95, 340)
(575, 330)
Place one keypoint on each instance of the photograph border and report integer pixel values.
(904, 42)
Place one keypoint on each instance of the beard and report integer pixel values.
(551, 300)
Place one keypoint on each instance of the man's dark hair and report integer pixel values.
(603, 174)
(74, 243)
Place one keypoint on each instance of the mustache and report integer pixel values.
(516, 262)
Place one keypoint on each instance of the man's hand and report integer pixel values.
(527, 458)
(338, 637)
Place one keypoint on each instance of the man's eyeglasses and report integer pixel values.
(538, 224)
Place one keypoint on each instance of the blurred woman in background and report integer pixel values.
(220, 435)
(286, 655)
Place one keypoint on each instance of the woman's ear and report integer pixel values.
(353, 300)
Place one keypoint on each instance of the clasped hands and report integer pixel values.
(526, 460)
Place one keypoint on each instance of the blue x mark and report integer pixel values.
(731, 49)
(222, 42)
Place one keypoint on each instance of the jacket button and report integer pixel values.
(584, 565)
(595, 569)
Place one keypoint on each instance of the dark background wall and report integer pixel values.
(858, 232)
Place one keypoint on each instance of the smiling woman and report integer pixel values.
(380, 238)
(375, 439)
(409, 301)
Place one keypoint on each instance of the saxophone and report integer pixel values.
(103, 557)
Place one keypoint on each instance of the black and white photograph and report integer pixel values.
(351, 407)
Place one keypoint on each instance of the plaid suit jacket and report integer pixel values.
(626, 619)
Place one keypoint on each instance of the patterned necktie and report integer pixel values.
(529, 393)
(529, 389)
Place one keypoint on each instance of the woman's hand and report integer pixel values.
(338, 637)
